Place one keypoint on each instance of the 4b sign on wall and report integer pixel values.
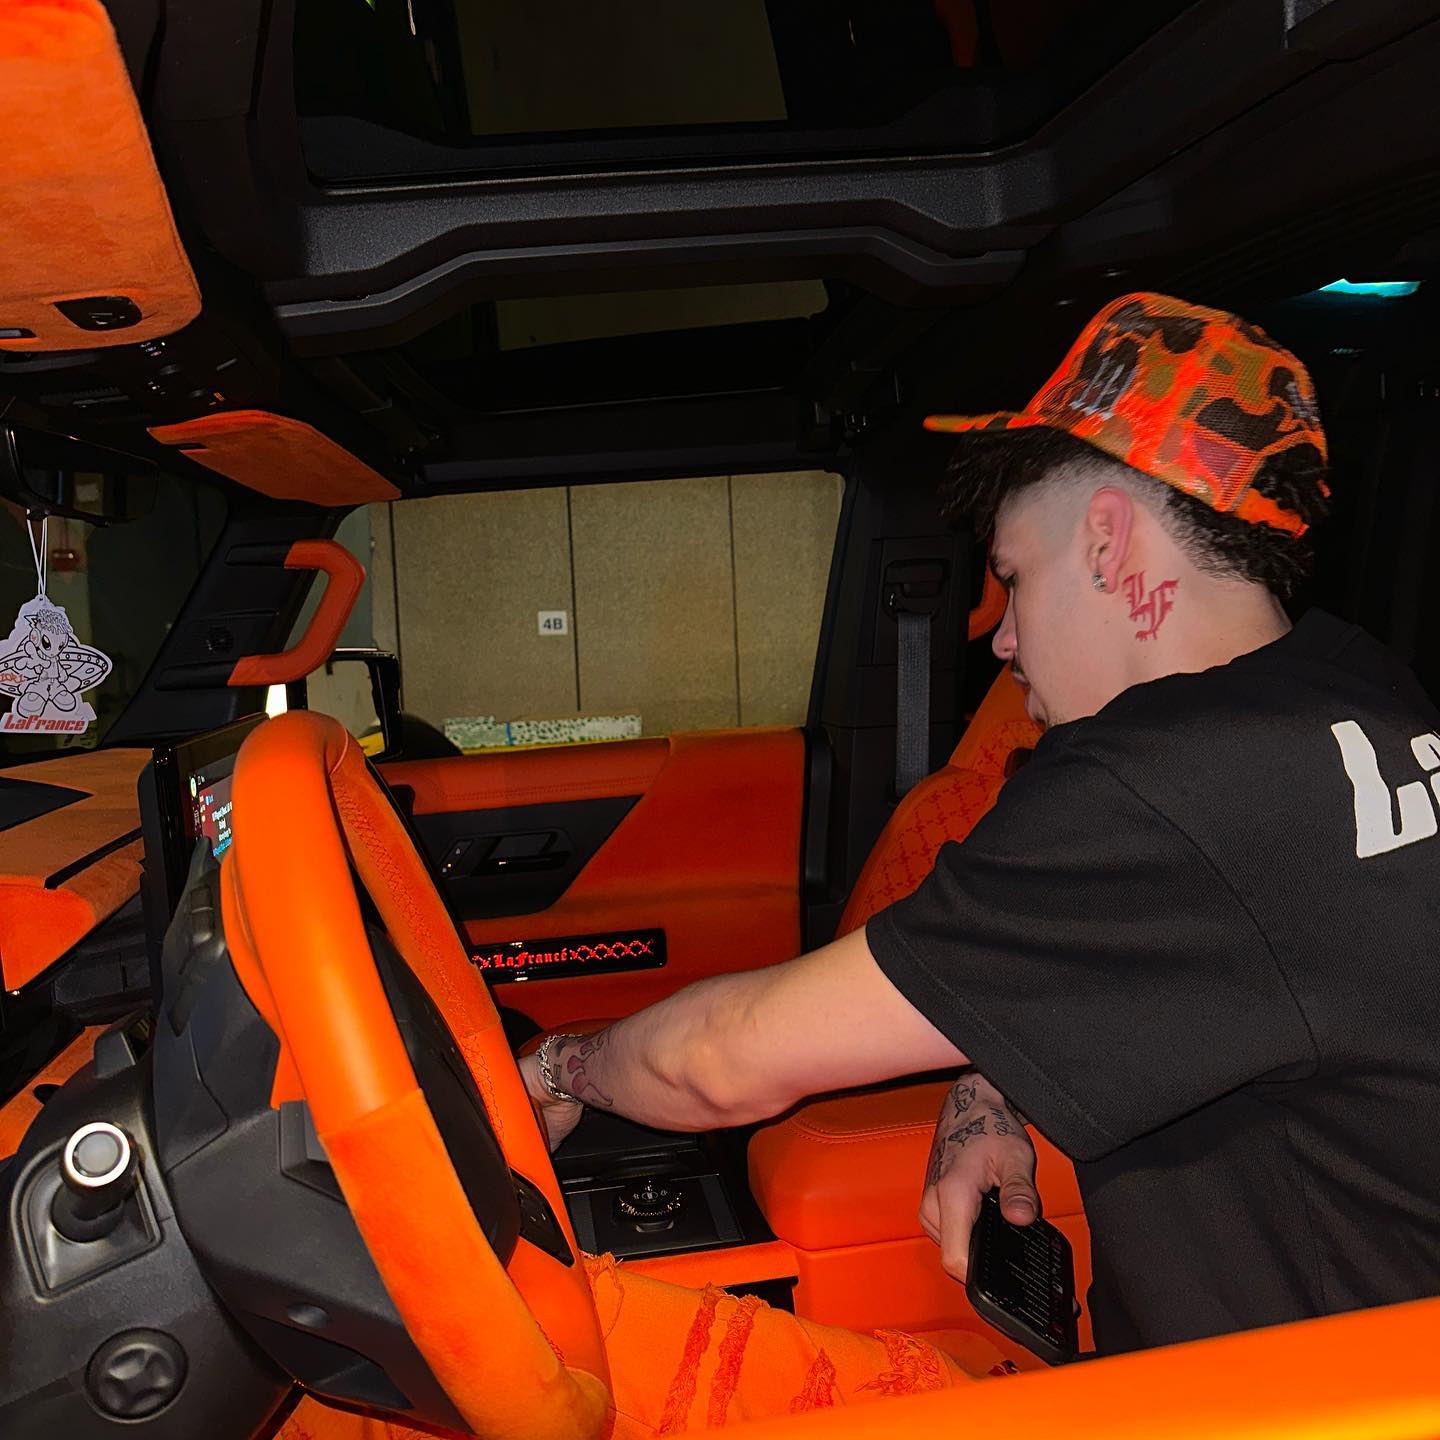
(1376, 832)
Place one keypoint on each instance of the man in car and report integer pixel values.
(1192, 941)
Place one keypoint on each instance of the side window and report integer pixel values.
(603, 611)
(121, 586)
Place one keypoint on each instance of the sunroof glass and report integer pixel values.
(562, 320)
(476, 71)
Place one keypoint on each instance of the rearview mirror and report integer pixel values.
(49, 474)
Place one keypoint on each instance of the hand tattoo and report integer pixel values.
(960, 1097)
(577, 1082)
(966, 1133)
(1000, 1120)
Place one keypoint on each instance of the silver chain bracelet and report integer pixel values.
(547, 1074)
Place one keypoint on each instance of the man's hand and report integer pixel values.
(980, 1143)
(559, 1117)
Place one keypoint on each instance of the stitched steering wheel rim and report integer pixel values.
(307, 808)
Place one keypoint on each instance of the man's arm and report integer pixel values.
(738, 1048)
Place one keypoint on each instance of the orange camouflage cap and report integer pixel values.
(1198, 398)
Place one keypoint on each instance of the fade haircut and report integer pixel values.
(989, 468)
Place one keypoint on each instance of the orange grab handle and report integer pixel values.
(991, 609)
(345, 575)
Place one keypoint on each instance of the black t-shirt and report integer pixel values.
(1195, 943)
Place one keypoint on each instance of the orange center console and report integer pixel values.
(839, 1182)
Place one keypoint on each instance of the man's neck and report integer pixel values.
(1218, 621)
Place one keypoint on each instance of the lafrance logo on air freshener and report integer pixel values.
(45, 668)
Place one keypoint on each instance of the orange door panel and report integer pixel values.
(697, 836)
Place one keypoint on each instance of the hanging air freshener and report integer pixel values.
(43, 667)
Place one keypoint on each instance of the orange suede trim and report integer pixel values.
(85, 212)
(280, 457)
(38, 925)
(22, 1107)
(1368, 1375)
(108, 810)
(344, 577)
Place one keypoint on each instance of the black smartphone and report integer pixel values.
(1022, 1281)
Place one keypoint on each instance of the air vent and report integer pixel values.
(86, 399)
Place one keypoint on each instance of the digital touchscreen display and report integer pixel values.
(210, 804)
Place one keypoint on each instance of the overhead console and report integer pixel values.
(91, 257)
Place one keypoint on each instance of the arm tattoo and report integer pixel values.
(572, 1065)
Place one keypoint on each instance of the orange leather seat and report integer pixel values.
(946, 805)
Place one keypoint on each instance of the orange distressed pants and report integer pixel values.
(684, 1359)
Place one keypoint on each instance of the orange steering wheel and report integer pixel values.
(306, 809)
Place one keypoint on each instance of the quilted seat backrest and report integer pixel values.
(944, 806)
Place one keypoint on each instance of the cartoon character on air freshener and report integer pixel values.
(44, 667)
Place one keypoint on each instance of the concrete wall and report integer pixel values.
(695, 603)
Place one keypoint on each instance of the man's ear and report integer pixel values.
(1107, 534)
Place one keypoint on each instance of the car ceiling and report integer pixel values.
(470, 302)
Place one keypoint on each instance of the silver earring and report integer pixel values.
(1098, 581)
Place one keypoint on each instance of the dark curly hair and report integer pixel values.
(988, 467)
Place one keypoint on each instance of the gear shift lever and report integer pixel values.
(99, 1168)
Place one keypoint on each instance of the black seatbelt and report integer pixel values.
(913, 591)
(912, 701)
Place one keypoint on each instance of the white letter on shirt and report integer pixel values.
(1375, 832)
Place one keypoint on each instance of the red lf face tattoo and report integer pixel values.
(1152, 608)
